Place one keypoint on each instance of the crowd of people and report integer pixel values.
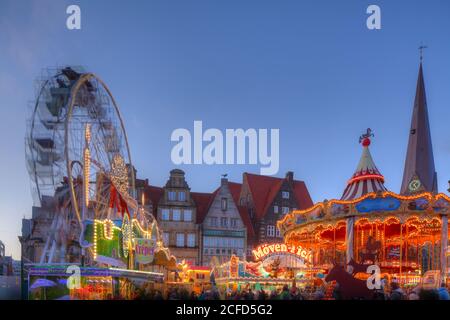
(391, 291)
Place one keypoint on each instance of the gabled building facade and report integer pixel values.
(224, 227)
(230, 221)
(268, 199)
(176, 215)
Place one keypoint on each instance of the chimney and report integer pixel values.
(290, 177)
(223, 181)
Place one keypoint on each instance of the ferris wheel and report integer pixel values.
(77, 150)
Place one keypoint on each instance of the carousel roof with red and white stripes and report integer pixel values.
(366, 178)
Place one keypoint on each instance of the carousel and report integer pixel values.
(404, 235)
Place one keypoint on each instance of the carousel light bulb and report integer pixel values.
(87, 132)
(87, 169)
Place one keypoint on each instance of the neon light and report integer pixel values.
(268, 249)
(428, 195)
(366, 177)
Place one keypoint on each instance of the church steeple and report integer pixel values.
(419, 174)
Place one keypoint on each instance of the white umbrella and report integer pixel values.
(41, 283)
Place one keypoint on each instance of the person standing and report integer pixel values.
(443, 292)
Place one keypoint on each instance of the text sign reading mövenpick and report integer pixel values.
(268, 249)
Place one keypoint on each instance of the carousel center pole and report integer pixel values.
(349, 235)
(444, 245)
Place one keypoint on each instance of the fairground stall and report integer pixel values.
(189, 278)
(78, 156)
(72, 282)
(405, 235)
(274, 266)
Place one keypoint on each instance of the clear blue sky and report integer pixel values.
(310, 68)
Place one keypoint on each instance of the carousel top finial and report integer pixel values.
(366, 178)
(365, 137)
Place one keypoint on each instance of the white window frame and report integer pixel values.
(178, 243)
(189, 212)
(224, 225)
(165, 214)
(277, 232)
(270, 230)
(179, 193)
(285, 210)
(224, 204)
(176, 217)
(174, 193)
(285, 194)
(276, 209)
(190, 241)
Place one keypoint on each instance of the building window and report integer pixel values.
(166, 238)
(172, 195)
(176, 214)
(285, 194)
(224, 222)
(187, 215)
(165, 214)
(270, 230)
(180, 239)
(275, 209)
(224, 204)
(181, 196)
(213, 221)
(191, 240)
(277, 233)
(234, 223)
(285, 210)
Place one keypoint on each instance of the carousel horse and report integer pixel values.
(349, 287)
(357, 267)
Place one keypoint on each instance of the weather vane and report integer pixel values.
(366, 135)
(421, 51)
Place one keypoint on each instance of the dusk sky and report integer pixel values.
(309, 68)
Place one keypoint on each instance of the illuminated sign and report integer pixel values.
(281, 248)
(234, 266)
(144, 250)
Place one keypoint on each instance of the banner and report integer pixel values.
(144, 250)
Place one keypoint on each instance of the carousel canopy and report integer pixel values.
(366, 178)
